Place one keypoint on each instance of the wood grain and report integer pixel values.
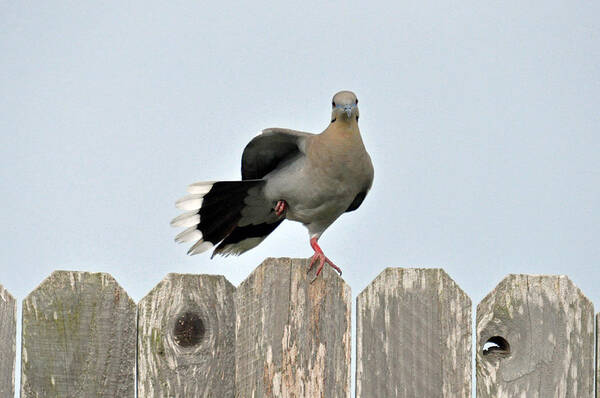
(8, 335)
(186, 338)
(597, 355)
(79, 333)
(292, 337)
(413, 336)
(548, 326)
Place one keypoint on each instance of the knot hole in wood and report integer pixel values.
(496, 345)
(189, 329)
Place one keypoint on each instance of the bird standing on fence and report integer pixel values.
(286, 174)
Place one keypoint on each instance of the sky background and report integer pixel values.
(481, 119)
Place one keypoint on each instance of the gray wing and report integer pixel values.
(267, 150)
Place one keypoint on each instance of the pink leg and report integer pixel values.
(321, 258)
(281, 207)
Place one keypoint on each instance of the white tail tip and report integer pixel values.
(200, 188)
(190, 202)
(191, 234)
(186, 220)
(199, 247)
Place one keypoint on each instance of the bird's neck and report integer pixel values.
(341, 136)
(342, 129)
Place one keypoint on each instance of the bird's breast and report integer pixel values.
(321, 185)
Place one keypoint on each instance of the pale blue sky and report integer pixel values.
(482, 121)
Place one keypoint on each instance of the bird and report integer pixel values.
(286, 174)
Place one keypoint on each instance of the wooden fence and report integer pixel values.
(277, 335)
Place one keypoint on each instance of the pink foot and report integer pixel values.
(281, 207)
(320, 257)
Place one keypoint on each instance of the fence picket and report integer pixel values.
(538, 335)
(413, 336)
(78, 338)
(597, 355)
(186, 338)
(292, 336)
(8, 335)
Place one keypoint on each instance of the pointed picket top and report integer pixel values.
(293, 336)
(8, 335)
(186, 338)
(79, 333)
(413, 336)
(535, 338)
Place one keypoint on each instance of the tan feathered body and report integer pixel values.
(320, 186)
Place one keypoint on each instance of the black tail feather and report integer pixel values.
(245, 238)
(221, 208)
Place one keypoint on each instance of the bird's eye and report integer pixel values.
(356, 102)
(333, 104)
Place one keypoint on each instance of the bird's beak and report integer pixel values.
(348, 110)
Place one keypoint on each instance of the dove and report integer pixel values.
(286, 175)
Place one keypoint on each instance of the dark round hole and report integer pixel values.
(496, 345)
(189, 329)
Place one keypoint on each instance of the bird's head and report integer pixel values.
(344, 107)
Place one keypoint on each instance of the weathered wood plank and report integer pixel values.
(78, 340)
(538, 335)
(413, 336)
(8, 335)
(186, 339)
(292, 337)
(597, 355)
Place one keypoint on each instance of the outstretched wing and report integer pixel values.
(267, 150)
(261, 156)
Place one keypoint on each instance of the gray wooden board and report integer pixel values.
(546, 350)
(413, 339)
(292, 337)
(78, 340)
(186, 338)
(8, 335)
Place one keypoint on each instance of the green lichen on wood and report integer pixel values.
(77, 339)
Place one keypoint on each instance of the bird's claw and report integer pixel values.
(281, 207)
(322, 260)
